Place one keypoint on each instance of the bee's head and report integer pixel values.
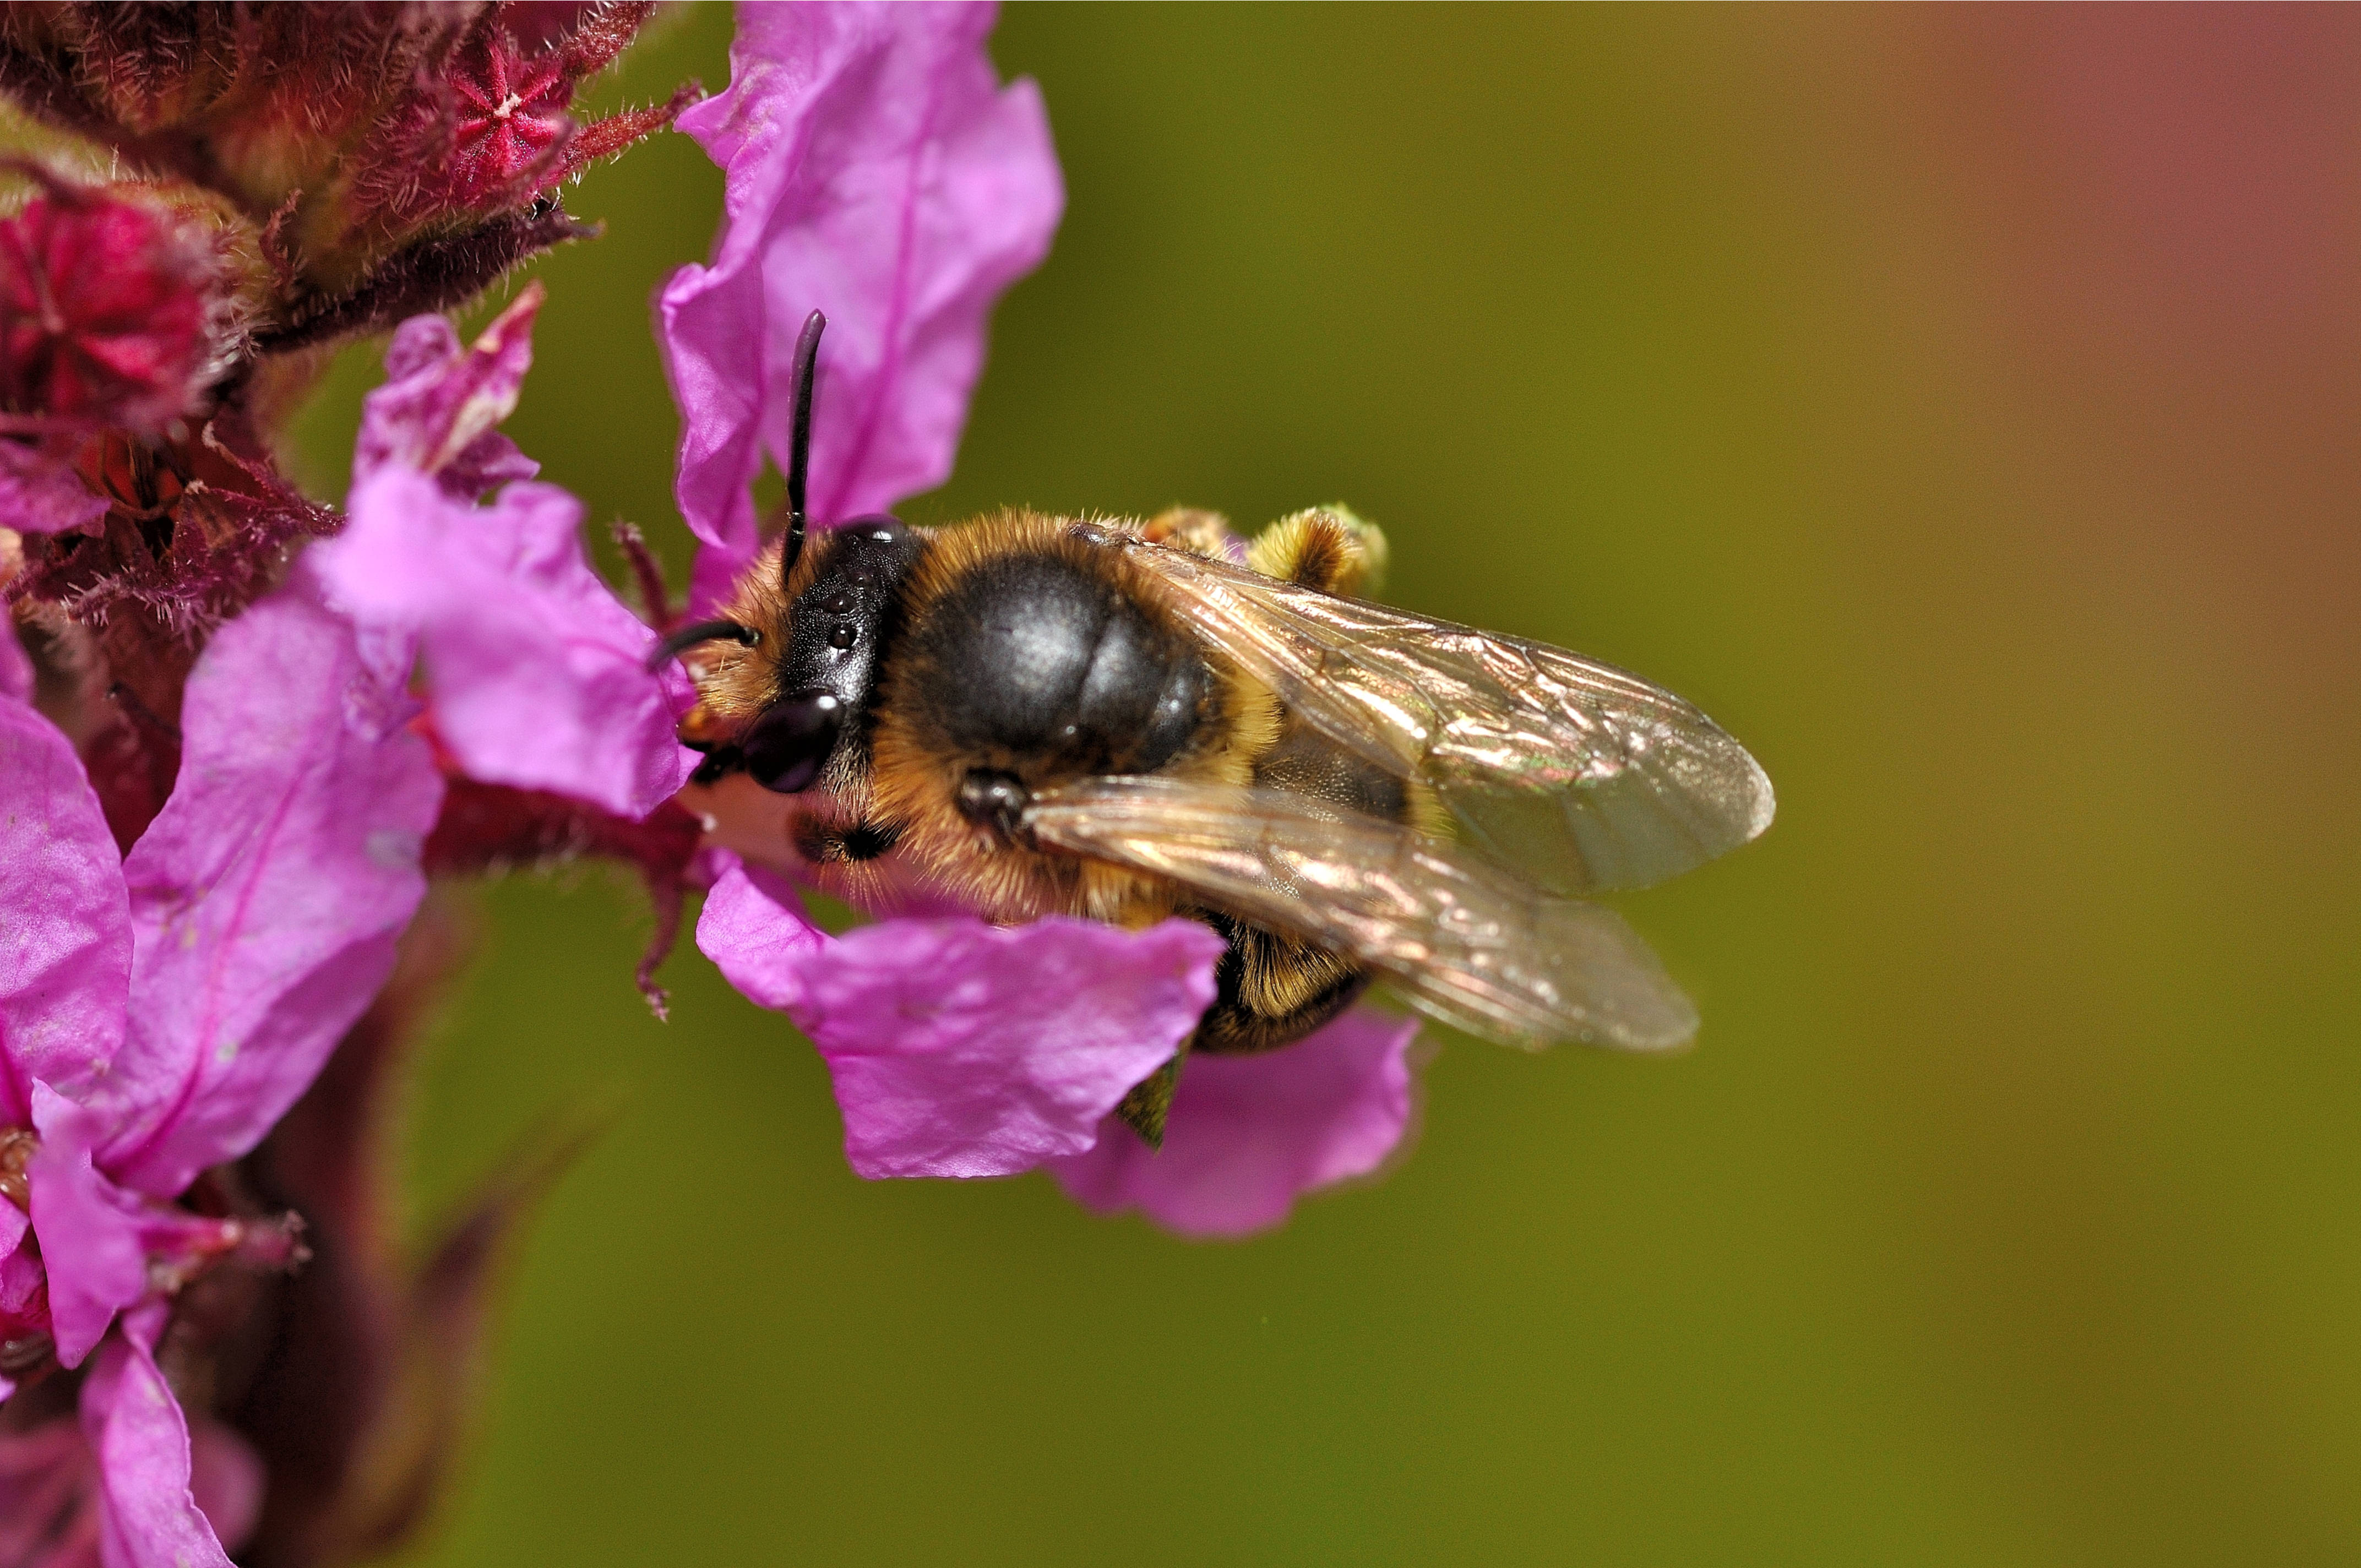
(825, 663)
(810, 620)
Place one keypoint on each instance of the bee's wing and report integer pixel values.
(1462, 939)
(1570, 773)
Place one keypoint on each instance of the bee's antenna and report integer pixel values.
(799, 439)
(689, 637)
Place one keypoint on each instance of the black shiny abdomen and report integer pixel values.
(1046, 668)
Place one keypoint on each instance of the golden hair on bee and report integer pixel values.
(960, 602)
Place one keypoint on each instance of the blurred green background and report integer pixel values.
(1962, 406)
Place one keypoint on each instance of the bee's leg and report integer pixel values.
(1198, 531)
(1269, 991)
(1272, 990)
(1149, 1102)
(1327, 548)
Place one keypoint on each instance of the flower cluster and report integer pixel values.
(390, 158)
(221, 795)
(240, 728)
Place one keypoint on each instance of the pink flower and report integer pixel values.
(877, 172)
(159, 1013)
(132, 1482)
(1248, 1135)
(16, 665)
(538, 673)
(963, 1049)
(960, 1048)
(41, 493)
(167, 1493)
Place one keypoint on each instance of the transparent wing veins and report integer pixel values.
(1463, 941)
(1572, 774)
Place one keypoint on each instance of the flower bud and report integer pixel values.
(490, 128)
(383, 158)
(112, 313)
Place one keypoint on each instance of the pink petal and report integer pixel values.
(961, 1048)
(50, 1511)
(440, 402)
(65, 945)
(225, 1476)
(89, 1228)
(46, 1474)
(15, 1292)
(24, 1309)
(266, 896)
(24, 1284)
(877, 172)
(16, 665)
(755, 929)
(1249, 1135)
(133, 1421)
(538, 673)
(40, 492)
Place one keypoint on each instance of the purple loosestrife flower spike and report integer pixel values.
(200, 904)
(260, 911)
(877, 172)
(537, 673)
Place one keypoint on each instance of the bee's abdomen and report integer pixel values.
(1304, 762)
(1047, 667)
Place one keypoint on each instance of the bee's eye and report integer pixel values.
(875, 527)
(787, 747)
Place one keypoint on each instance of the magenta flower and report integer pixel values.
(1249, 1135)
(963, 1049)
(537, 673)
(132, 1482)
(876, 173)
(16, 665)
(41, 493)
(159, 1013)
(960, 1048)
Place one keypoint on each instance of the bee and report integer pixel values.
(1127, 720)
